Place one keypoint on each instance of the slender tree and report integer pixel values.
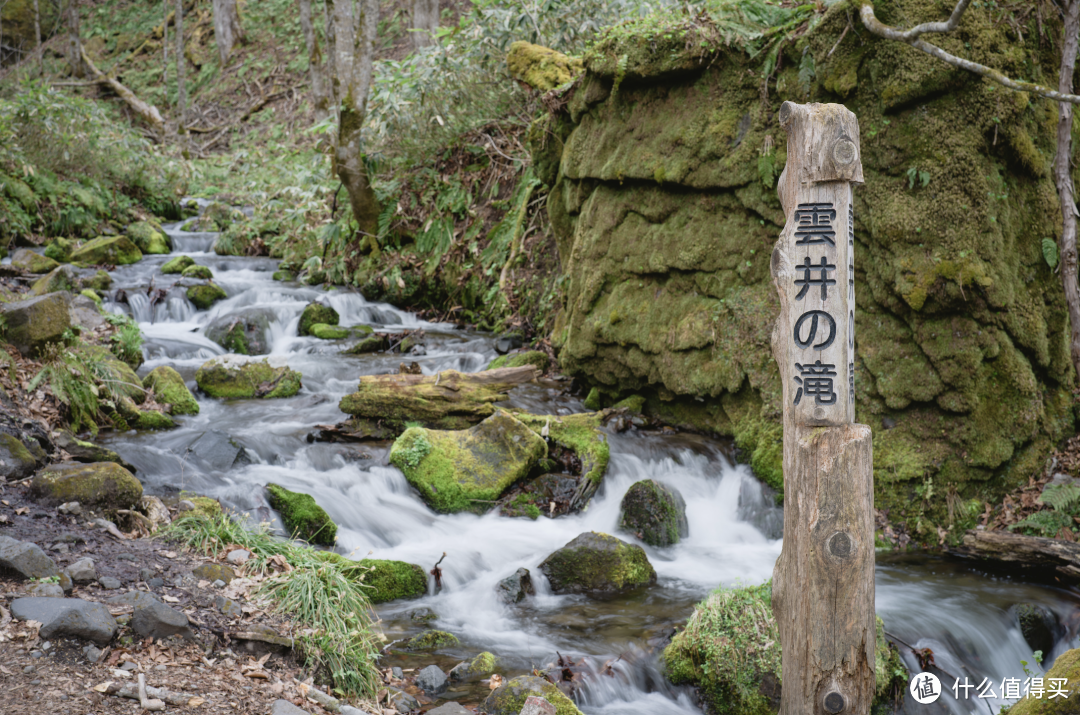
(37, 38)
(181, 89)
(425, 20)
(74, 46)
(315, 59)
(227, 28)
(165, 49)
(354, 57)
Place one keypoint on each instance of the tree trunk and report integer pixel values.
(227, 29)
(315, 59)
(74, 46)
(37, 38)
(1063, 177)
(354, 39)
(148, 112)
(425, 22)
(181, 89)
(165, 50)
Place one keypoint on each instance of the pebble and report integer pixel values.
(238, 557)
(146, 574)
(129, 666)
(35, 682)
(128, 557)
(46, 646)
(161, 668)
(28, 669)
(398, 673)
(93, 653)
(155, 583)
(71, 507)
(109, 582)
(61, 548)
(219, 584)
(36, 654)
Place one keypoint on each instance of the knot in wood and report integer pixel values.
(844, 152)
(834, 702)
(840, 545)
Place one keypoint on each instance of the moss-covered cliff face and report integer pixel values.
(662, 170)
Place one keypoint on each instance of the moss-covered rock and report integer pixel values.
(124, 380)
(431, 640)
(579, 433)
(1066, 666)
(149, 238)
(531, 357)
(222, 215)
(315, 314)
(481, 666)
(303, 518)
(33, 262)
(87, 452)
(213, 572)
(92, 295)
(33, 323)
(283, 276)
(243, 333)
(199, 272)
(328, 332)
(598, 565)
(654, 513)
(100, 281)
(509, 698)
(103, 485)
(107, 250)
(376, 342)
(61, 278)
(153, 420)
(169, 389)
(177, 265)
(205, 295)
(59, 249)
(466, 470)
(541, 68)
(730, 649)
(204, 506)
(390, 580)
(16, 461)
(236, 377)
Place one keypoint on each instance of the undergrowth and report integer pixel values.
(127, 341)
(326, 595)
(82, 382)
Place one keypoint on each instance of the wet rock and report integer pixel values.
(402, 701)
(478, 668)
(153, 419)
(466, 470)
(26, 559)
(314, 314)
(214, 572)
(152, 618)
(376, 342)
(598, 565)
(423, 615)
(33, 323)
(243, 333)
(219, 451)
(169, 389)
(431, 640)
(654, 513)
(412, 344)
(284, 276)
(239, 377)
(198, 272)
(59, 249)
(1067, 667)
(303, 518)
(506, 343)
(85, 313)
(450, 708)
(102, 485)
(107, 250)
(86, 452)
(284, 707)
(16, 461)
(510, 697)
(322, 331)
(45, 590)
(205, 295)
(1038, 624)
(33, 262)
(109, 583)
(67, 617)
(82, 571)
(149, 238)
(177, 265)
(531, 357)
(431, 680)
(515, 588)
(536, 705)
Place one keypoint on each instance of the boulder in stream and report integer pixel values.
(59, 249)
(509, 698)
(513, 589)
(107, 250)
(654, 513)
(105, 486)
(481, 666)
(243, 333)
(205, 295)
(149, 238)
(240, 377)
(467, 470)
(303, 518)
(376, 342)
(1039, 626)
(599, 566)
(169, 389)
(34, 323)
(390, 580)
(33, 262)
(220, 452)
(531, 357)
(61, 278)
(322, 331)
(199, 272)
(431, 640)
(177, 265)
(316, 314)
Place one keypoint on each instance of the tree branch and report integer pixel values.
(911, 37)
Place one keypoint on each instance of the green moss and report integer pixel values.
(633, 404)
(92, 295)
(598, 565)
(177, 265)
(205, 295)
(509, 698)
(531, 357)
(205, 506)
(231, 378)
(431, 640)
(200, 272)
(371, 344)
(100, 281)
(390, 580)
(154, 420)
(149, 238)
(169, 389)
(594, 400)
(303, 518)
(18, 461)
(107, 250)
(581, 434)
(1067, 666)
(654, 514)
(284, 276)
(467, 470)
(101, 485)
(481, 666)
(32, 262)
(328, 332)
(315, 314)
(539, 67)
(61, 278)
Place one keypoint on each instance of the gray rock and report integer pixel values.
(26, 559)
(34, 323)
(155, 583)
(284, 707)
(16, 461)
(82, 571)
(452, 708)
(402, 701)
(85, 313)
(515, 588)
(66, 584)
(93, 653)
(238, 557)
(129, 666)
(654, 513)
(244, 333)
(219, 584)
(146, 574)
(45, 590)
(432, 680)
(67, 617)
(219, 451)
(397, 672)
(536, 705)
(185, 505)
(61, 548)
(110, 583)
(153, 618)
(229, 607)
(350, 710)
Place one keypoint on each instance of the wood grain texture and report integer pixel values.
(1033, 551)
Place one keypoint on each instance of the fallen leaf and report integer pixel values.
(195, 702)
(22, 510)
(168, 554)
(103, 686)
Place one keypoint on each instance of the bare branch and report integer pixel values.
(911, 37)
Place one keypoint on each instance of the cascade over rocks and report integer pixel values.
(654, 513)
(238, 377)
(243, 333)
(599, 566)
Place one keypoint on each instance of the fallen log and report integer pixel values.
(131, 692)
(1030, 551)
(148, 112)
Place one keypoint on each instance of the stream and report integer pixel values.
(951, 607)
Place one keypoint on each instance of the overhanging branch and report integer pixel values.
(912, 37)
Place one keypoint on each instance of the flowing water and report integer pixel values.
(958, 612)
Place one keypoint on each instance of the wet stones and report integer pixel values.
(169, 389)
(177, 265)
(432, 681)
(219, 451)
(107, 250)
(479, 667)
(25, 559)
(654, 513)
(148, 237)
(515, 588)
(599, 566)
(32, 262)
(1038, 624)
(205, 295)
(431, 640)
(67, 617)
(509, 697)
(316, 314)
(243, 333)
(237, 377)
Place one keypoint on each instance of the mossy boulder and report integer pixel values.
(531, 357)
(481, 666)
(149, 238)
(329, 332)
(92, 295)
(59, 249)
(315, 314)
(509, 698)
(104, 486)
(541, 68)
(581, 434)
(212, 572)
(243, 333)
(390, 580)
(236, 377)
(431, 640)
(303, 518)
(33, 262)
(16, 461)
(124, 380)
(177, 265)
(222, 215)
(730, 649)
(1067, 666)
(283, 276)
(100, 281)
(169, 389)
(33, 323)
(599, 566)
(199, 272)
(654, 513)
(61, 278)
(87, 452)
(376, 342)
(466, 470)
(204, 506)
(205, 295)
(107, 250)
(153, 420)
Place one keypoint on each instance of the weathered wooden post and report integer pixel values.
(823, 582)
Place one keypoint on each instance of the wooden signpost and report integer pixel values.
(823, 582)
